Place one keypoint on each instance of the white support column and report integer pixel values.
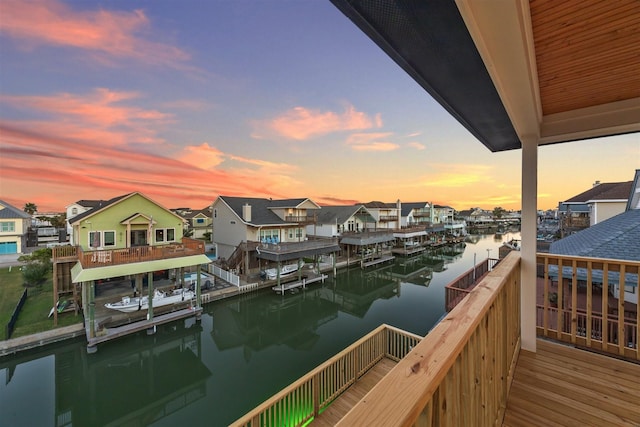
(529, 242)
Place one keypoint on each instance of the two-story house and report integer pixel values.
(197, 222)
(247, 230)
(600, 202)
(387, 215)
(128, 236)
(14, 225)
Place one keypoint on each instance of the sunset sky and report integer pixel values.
(185, 101)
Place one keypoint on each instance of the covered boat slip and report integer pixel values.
(97, 316)
(284, 252)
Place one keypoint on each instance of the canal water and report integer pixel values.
(245, 349)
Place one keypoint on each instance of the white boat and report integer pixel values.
(131, 304)
(285, 270)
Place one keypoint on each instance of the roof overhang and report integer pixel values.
(79, 274)
(513, 70)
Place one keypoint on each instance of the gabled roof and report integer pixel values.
(102, 205)
(11, 212)
(604, 191)
(407, 207)
(261, 209)
(379, 205)
(339, 214)
(615, 238)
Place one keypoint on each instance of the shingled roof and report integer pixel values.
(10, 212)
(616, 238)
(339, 214)
(604, 191)
(261, 213)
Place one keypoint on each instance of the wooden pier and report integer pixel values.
(376, 261)
(284, 287)
(108, 334)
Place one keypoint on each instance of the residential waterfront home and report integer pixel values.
(387, 215)
(332, 221)
(592, 206)
(127, 236)
(14, 226)
(196, 221)
(247, 231)
(516, 75)
(76, 208)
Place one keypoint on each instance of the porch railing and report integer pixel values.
(455, 291)
(305, 398)
(102, 258)
(577, 303)
(460, 373)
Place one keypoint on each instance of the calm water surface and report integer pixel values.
(209, 373)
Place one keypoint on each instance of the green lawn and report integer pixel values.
(34, 314)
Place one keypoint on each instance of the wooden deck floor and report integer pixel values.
(353, 395)
(563, 386)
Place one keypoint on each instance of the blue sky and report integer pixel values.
(184, 101)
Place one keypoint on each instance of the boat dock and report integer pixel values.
(108, 334)
(376, 261)
(284, 287)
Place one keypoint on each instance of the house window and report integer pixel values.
(199, 220)
(7, 226)
(299, 232)
(165, 235)
(95, 239)
(74, 211)
(109, 238)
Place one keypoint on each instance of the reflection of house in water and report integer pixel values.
(145, 382)
(355, 296)
(416, 270)
(449, 253)
(250, 322)
(258, 323)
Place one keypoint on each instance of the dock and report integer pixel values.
(376, 261)
(284, 287)
(108, 334)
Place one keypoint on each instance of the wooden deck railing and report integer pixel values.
(460, 373)
(305, 398)
(583, 310)
(102, 258)
(464, 284)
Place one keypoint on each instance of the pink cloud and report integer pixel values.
(417, 145)
(301, 123)
(107, 33)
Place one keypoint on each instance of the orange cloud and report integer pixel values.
(202, 156)
(301, 123)
(112, 35)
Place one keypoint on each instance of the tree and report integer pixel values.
(59, 221)
(30, 208)
(498, 212)
(38, 265)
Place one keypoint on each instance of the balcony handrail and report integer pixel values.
(460, 373)
(305, 398)
(580, 312)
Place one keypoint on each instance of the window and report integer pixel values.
(7, 226)
(109, 238)
(95, 240)
(199, 220)
(74, 211)
(165, 235)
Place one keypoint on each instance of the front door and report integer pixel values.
(138, 237)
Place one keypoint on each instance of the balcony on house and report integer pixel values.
(471, 370)
(108, 257)
(302, 218)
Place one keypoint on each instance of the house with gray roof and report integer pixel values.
(617, 237)
(239, 220)
(14, 225)
(602, 201)
(334, 220)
